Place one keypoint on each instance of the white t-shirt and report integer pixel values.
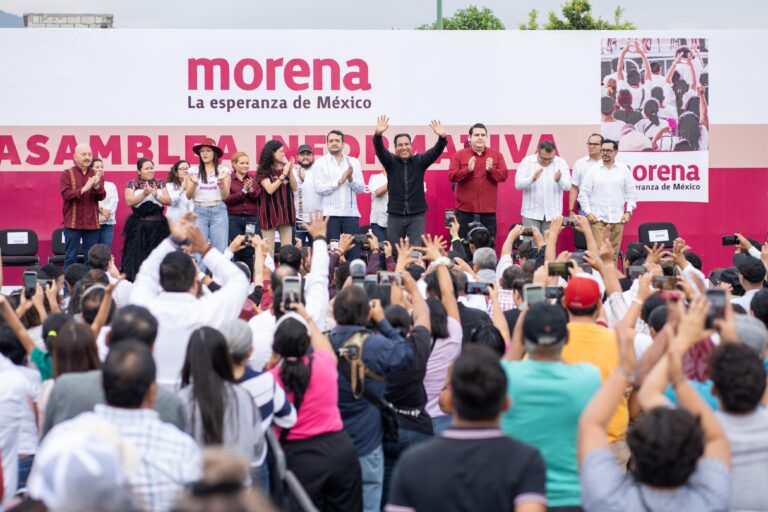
(180, 204)
(639, 94)
(668, 143)
(580, 168)
(207, 192)
(110, 202)
(378, 204)
(612, 130)
(648, 129)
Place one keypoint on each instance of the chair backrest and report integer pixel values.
(57, 243)
(18, 242)
(657, 233)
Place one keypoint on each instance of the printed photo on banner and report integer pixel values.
(654, 103)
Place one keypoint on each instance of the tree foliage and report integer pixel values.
(471, 18)
(577, 15)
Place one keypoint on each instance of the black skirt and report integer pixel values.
(143, 231)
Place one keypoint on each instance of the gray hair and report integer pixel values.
(485, 257)
(239, 338)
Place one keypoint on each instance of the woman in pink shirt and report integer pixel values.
(317, 450)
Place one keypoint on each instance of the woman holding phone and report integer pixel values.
(243, 205)
(276, 211)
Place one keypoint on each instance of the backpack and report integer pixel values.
(351, 352)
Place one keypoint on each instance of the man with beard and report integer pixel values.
(305, 199)
(405, 180)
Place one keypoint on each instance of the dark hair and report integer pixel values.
(478, 384)
(340, 275)
(508, 277)
(50, 271)
(177, 272)
(666, 445)
(292, 342)
(611, 142)
(547, 146)
(243, 266)
(173, 174)
(74, 350)
(201, 167)
(658, 318)
(655, 67)
(488, 335)
(267, 157)
(276, 283)
(433, 285)
(624, 99)
(633, 77)
(606, 105)
(128, 374)
(97, 276)
(394, 141)
(133, 322)
(759, 305)
(657, 93)
(374, 291)
(693, 105)
(398, 317)
(651, 303)
(141, 161)
(738, 376)
(688, 128)
(438, 317)
(480, 237)
(477, 125)
(694, 259)
(651, 111)
(91, 301)
(52, 326)
(73, 273)
(583, 311)
(207, 367)
(96, 160)
(334, 132)
(99, 257)
(11, 347)
(289, 255)
(351, 306)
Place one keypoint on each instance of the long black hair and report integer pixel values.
(651, 111)
(203, 172)
(438, 316)
(208, 367)
(292, 344)
(267, 157)
(688, 129)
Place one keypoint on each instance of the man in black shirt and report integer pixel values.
(472, 466)
(405, 181)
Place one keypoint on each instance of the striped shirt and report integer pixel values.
(269, 397)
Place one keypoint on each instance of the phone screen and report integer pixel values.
(389, 278)
(250, 229)
(291, 290)
(533, 293)
(716, 298)
(476, 288)
(448, 218)
(30, 283)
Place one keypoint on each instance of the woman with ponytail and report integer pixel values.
(317, 449)
(651, 124)
(219, 412)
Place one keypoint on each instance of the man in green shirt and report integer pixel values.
(547, 398)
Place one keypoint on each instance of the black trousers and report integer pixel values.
(328, 468)
(237, 227)
(486, 219)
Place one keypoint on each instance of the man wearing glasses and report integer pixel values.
(580, 168)
(608, 195)
(543, 178)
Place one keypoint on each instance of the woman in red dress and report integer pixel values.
(276, 210)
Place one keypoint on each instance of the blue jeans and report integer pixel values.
(441, 423)
(106, 234)
(237, 227)
(72, 240)
(25, 466)
(372, 467)
(350, 225)
(392, 452)
(214, 223)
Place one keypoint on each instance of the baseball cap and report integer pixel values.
(581, 293)
(304, 147)
(545, 324)
(751, 332)
(752, 269)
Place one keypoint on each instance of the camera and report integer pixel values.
(554, 292)
(716, 298)
(665, 282)
(635, 271)
(30, 283)
(250, 230)
(527, 231)
(560, 268)
(449, 218)
(363, 241)
(476, 288)
(570, 221)
(730, 240)
(291, 291)
(389, 278)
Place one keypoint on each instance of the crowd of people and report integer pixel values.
(395, 370)
(654, 105)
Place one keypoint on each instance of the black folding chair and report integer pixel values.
(59, 249)
(19, 247)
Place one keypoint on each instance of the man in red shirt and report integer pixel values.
(477, 170)
(82, 189)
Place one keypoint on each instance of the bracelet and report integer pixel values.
(319, 237)
(457, 239)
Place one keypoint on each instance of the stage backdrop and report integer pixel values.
(154, 93)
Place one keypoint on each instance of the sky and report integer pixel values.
(389, 14)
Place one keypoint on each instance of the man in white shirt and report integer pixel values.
(166, 285)
(305, 200)
(580, 168)
(15, 396)
(339, 178)
(751, 276)
(377, 185)
(543, 178)
(608, 195)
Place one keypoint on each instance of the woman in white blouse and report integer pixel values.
(107, 207)
(175, 189)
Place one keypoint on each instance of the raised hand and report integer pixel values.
(382, 123)
(557, 176)
(431, 248)
(437, 127)
(537, 174)
(318, 225)
(197, 241)
(346, 242)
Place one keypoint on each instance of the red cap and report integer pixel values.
(581, 293)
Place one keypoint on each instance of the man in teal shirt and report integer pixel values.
(547, 398)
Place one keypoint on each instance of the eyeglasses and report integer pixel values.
(607, 150)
